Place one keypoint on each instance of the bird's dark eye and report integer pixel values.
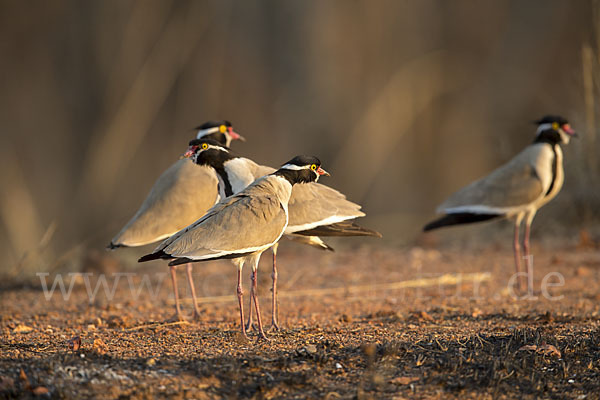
(313, 167)
(222, 129)
(204, 146)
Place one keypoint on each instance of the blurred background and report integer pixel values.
(404, 102)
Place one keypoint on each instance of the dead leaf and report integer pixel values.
(585, 240)
(404, 380)
(531, 347)
(22, 329)
(549, 350)
(546, 349)
(74, 343)
(40, 391)
(24, 378)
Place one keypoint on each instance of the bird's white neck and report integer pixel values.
(237, 175)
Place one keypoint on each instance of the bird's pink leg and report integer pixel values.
(249, 323)
(240, 295)
(178, 316)
(255, 297)
(528, 258)
(274, 304)
(193, 290)
(517, 252)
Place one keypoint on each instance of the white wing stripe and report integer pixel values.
(327, 221)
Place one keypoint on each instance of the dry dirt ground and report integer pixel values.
(361, 323)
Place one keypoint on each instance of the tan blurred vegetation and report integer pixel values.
(404, 101)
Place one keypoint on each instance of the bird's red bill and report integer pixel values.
(567, 128)
(235, 136)
(321, 171)
(190, 151)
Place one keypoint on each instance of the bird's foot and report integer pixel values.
(261, 337)
(274, 326)
(175, 318)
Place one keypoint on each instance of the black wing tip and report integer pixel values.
(362, 231)
(375, 233)
(459, 219)
(112, 246)
(324, 246)
(154, 256)
(340, 229)
(179, 261)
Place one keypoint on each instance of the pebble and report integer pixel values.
(310, 348)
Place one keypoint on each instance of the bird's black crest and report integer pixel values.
(549, 119)
(209, 141)
(306, 175)
(302, 161)
(212, 157)
(213, 124)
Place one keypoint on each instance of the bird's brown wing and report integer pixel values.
(180, 196)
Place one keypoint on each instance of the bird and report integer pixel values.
(516, 190)
(242, 226)
(314, 209)
(180, 196)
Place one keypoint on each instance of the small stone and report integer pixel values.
(40, 391)
(22, 329)
(310, 348)
(151, 362)
(584, 271)
(404, 380)
(99, 346)
(338, 366)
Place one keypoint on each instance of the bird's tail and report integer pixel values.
(154, 256)
(112, 246)
(314, 241)
(458, 219)
(344, 228)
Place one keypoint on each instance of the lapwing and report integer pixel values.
(241, 227)
(314, 209)
(180, 196)
(516, 190)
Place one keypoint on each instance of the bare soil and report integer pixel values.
(360, 323)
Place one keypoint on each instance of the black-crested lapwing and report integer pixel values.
(516, 190)
(180, 196)
(314, 209)
(241, 227)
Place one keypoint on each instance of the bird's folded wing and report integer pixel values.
(261, 170)
(314, 204)
(241, 224)
(514, 185)
(181, 195)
